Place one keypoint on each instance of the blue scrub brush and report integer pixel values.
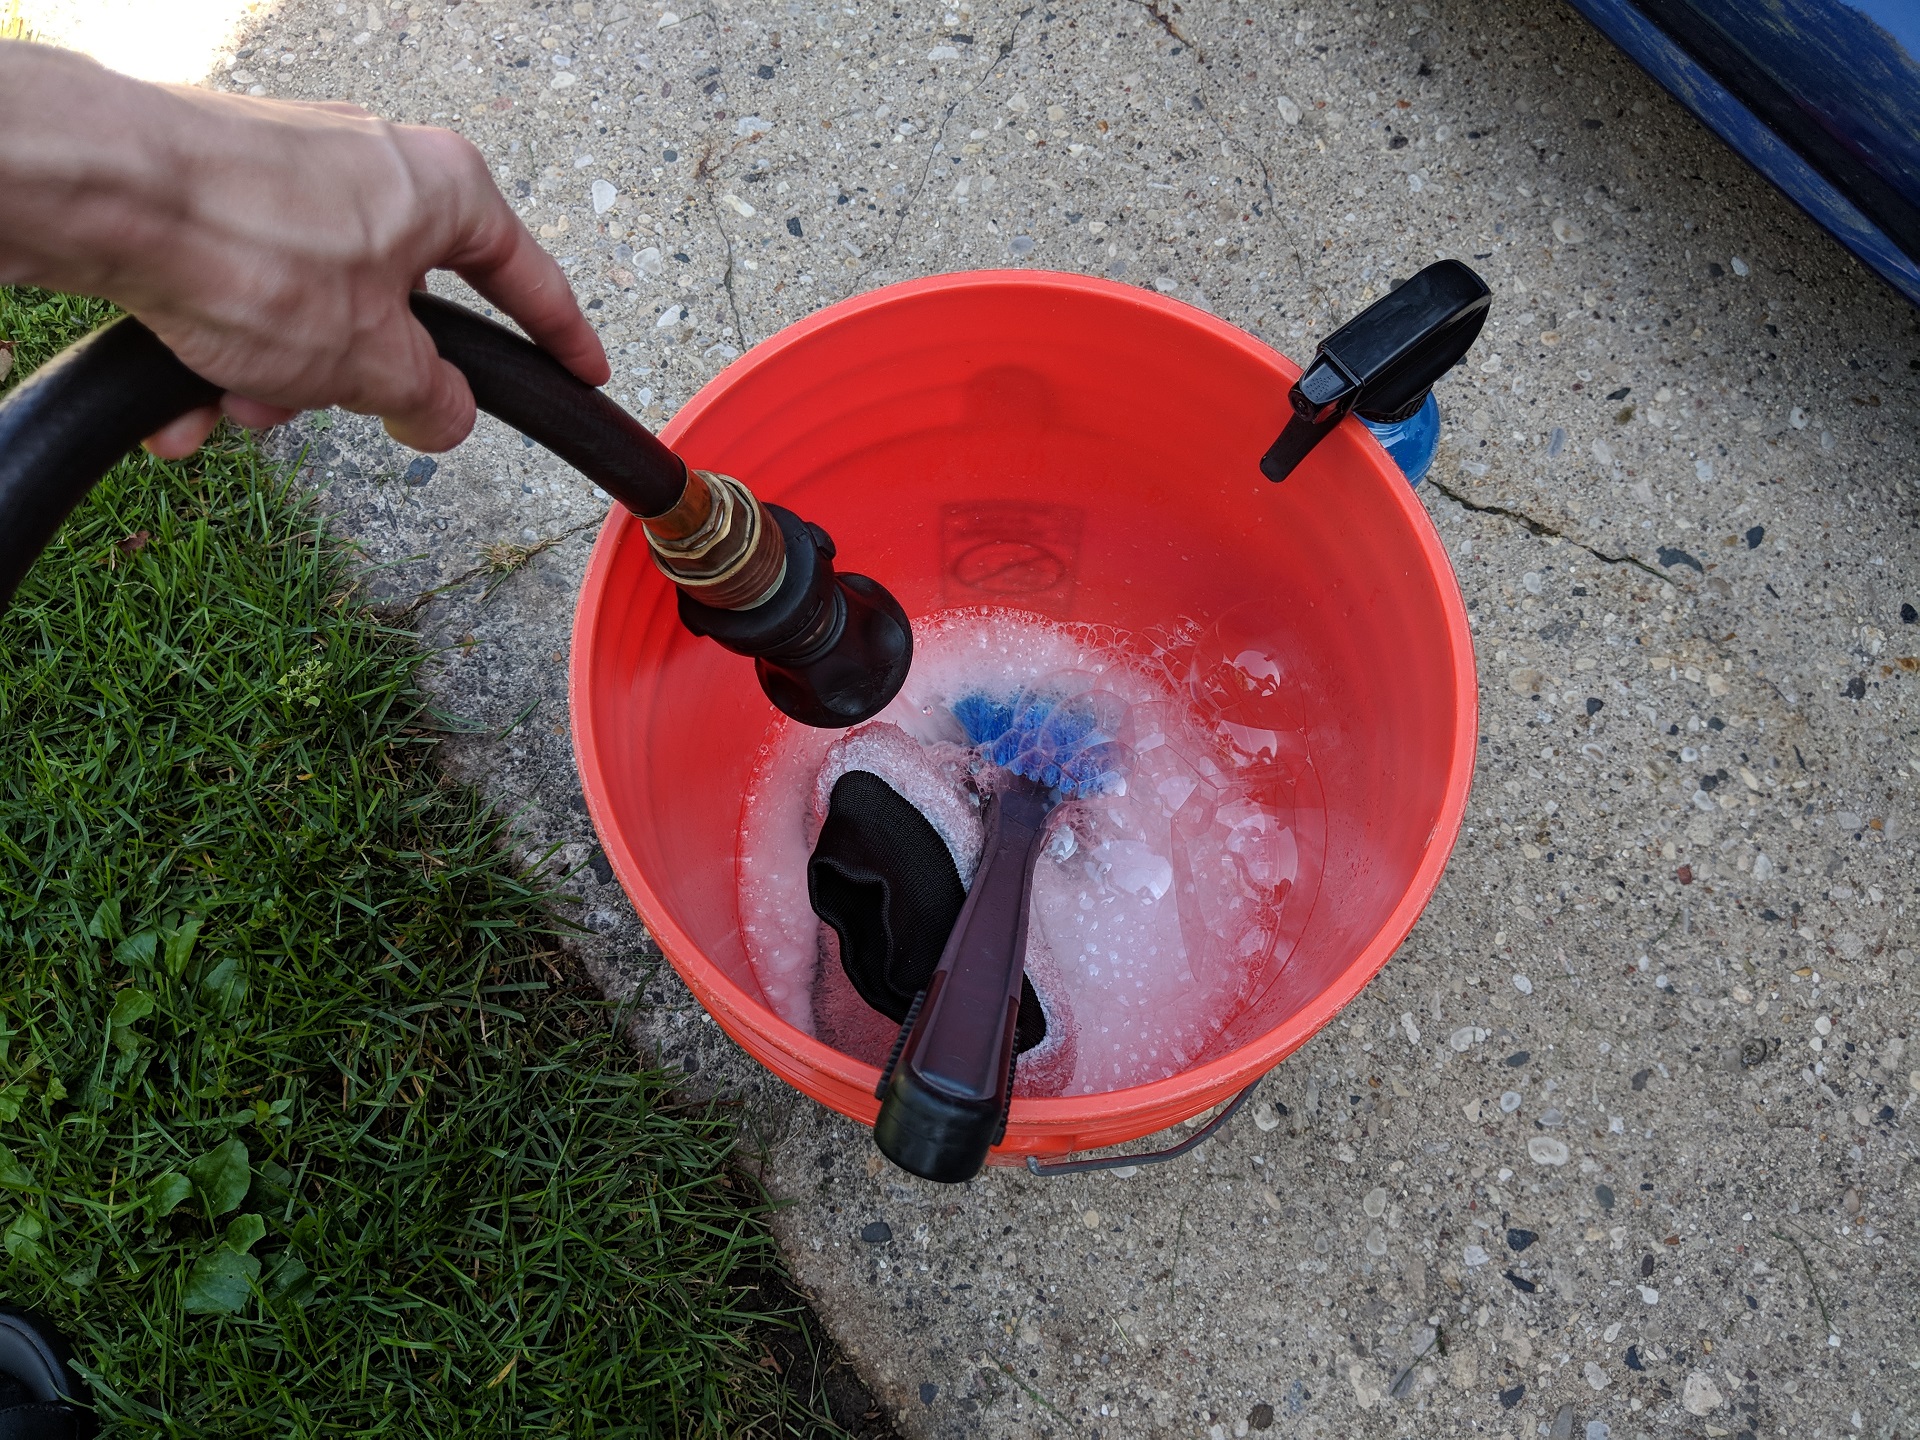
(1066, 742)
(946, 1090)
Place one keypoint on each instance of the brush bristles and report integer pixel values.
(1068, 742)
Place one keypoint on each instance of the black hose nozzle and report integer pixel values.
(830, 650)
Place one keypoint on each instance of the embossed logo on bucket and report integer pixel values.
(1011, 551)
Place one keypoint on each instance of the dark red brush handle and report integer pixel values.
(946, 1092)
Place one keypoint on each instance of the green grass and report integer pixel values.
(301, 1134)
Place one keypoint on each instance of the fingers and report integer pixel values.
(443, 415)
(438, 420)
(422, 400)
(499, 257)
(529, 285)
(180, 438)
(254, 414)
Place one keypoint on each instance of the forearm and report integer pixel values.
(90, 174)
(170, 199)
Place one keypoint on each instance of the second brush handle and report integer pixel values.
(944, 1100)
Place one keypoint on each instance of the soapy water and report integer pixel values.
(1166, 899)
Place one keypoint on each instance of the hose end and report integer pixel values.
(718, 543)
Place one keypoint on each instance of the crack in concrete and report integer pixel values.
(1319, 292)
(1001, 52)
(1202, 102)
(1031, 1393)
(1227, 137)
(703, 172)
(498, 561)
(726, 279)
(1542, 529)
(712, 155)
(1164, 18)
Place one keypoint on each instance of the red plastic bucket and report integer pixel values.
(1088, 451)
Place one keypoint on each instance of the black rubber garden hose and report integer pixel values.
(68, 423)
(64, 426)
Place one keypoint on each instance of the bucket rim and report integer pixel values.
(1035, 1124)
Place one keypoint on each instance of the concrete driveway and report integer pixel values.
(1622, 1143)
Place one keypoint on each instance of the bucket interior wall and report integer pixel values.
(1079, 453)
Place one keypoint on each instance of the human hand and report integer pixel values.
(272, 245)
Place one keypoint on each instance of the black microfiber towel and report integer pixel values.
(882, 877)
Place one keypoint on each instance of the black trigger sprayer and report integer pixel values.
(1382, 364)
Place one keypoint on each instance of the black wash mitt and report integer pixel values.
(884, 880)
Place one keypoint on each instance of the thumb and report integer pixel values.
(442, 415)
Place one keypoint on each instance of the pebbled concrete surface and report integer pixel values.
(1679, 487)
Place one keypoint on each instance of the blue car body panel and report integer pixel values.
(1822, 96)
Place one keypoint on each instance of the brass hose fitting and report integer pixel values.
(718, 544)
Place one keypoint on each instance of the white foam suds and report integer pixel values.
(1156, 911)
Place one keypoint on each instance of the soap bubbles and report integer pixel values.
(1238, 680)
(1182, 863)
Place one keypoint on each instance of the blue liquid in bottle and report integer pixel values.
(1411, 442)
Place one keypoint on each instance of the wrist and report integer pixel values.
(92, 171)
